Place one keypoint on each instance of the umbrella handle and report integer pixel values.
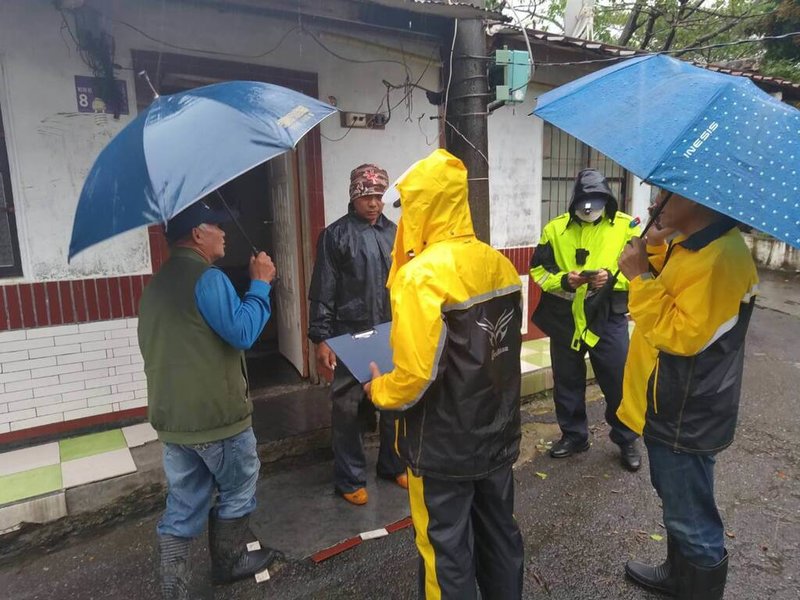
(653, 217)
(236, 222)
(650, 222)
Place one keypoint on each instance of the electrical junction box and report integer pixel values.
(354, 120)
(516, 73)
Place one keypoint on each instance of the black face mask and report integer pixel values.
(581, 254)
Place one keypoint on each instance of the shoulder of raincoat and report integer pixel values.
(456, 318)
(683, 374)
(570, 317)
(348, 287)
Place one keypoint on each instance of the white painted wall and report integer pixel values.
(515, 173)
(52, 146)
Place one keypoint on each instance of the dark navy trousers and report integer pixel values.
(352, 415)
(569, 381)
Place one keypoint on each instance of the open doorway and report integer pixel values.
(268, 209)
(271, 211)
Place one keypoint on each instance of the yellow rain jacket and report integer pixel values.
(456, 319)
(684, 369)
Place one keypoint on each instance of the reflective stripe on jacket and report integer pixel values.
(456, 319)
(684, 370)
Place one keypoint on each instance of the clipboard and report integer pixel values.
(357, 350)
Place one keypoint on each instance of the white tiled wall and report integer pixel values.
(53, 374)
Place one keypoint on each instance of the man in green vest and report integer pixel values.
(582, 309)
(193, 329)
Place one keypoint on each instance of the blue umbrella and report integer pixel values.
(716, 139)
(183, 147)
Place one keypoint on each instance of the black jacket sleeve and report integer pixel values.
(322, 293)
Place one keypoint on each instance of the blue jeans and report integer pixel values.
(685, 484)
(193, 473)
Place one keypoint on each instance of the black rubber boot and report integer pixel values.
(174, 567)
(662, 578)
(230, 559)
(702, 583)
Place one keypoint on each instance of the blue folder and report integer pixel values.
(357, 350)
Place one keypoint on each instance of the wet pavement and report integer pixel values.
(581, 517)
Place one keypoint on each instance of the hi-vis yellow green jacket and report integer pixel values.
(456, 318)
(561, 313)
(683, 374)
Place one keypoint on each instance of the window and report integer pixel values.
(9, 245)
(563, 157)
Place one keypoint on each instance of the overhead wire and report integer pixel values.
(530, 52)
(279, 43)
(450, 69)
(203, 50)
(630, 53)
(483, 156)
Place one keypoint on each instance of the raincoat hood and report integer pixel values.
(433, 195)
(592, 184)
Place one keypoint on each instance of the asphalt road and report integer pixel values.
(580, 522)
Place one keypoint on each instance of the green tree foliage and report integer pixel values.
(707, 31)
(782, 57)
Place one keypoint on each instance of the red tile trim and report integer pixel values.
(26, 305)
(53, 303)
(115, 298)
(127, 296)
(79, 294)
(159, 249)
(103, 299)
(3, 310)
(30, 305)
(74, 425)
(398, 525)
(521, 259)
(40, 305)
(92, 303)
(14, 307)
(355, 541)
(137, 285)
(67, 302)
(336, 549)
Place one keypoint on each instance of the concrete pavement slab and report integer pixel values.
(299, 513)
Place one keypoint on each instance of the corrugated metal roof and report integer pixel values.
(443, 8)
(611, 50)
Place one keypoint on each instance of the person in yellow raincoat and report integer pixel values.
(691, 303)
(456, 318)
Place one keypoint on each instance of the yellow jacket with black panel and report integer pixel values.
(456, 318)
(569, 244)
(683, 374)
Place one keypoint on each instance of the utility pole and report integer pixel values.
(466, 128)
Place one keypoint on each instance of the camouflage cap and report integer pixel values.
(366, 180)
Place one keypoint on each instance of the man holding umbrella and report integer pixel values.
(691, 302)
(192, 332)
(699, 135)
(583, 308)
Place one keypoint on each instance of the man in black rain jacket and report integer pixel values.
(348, 294)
